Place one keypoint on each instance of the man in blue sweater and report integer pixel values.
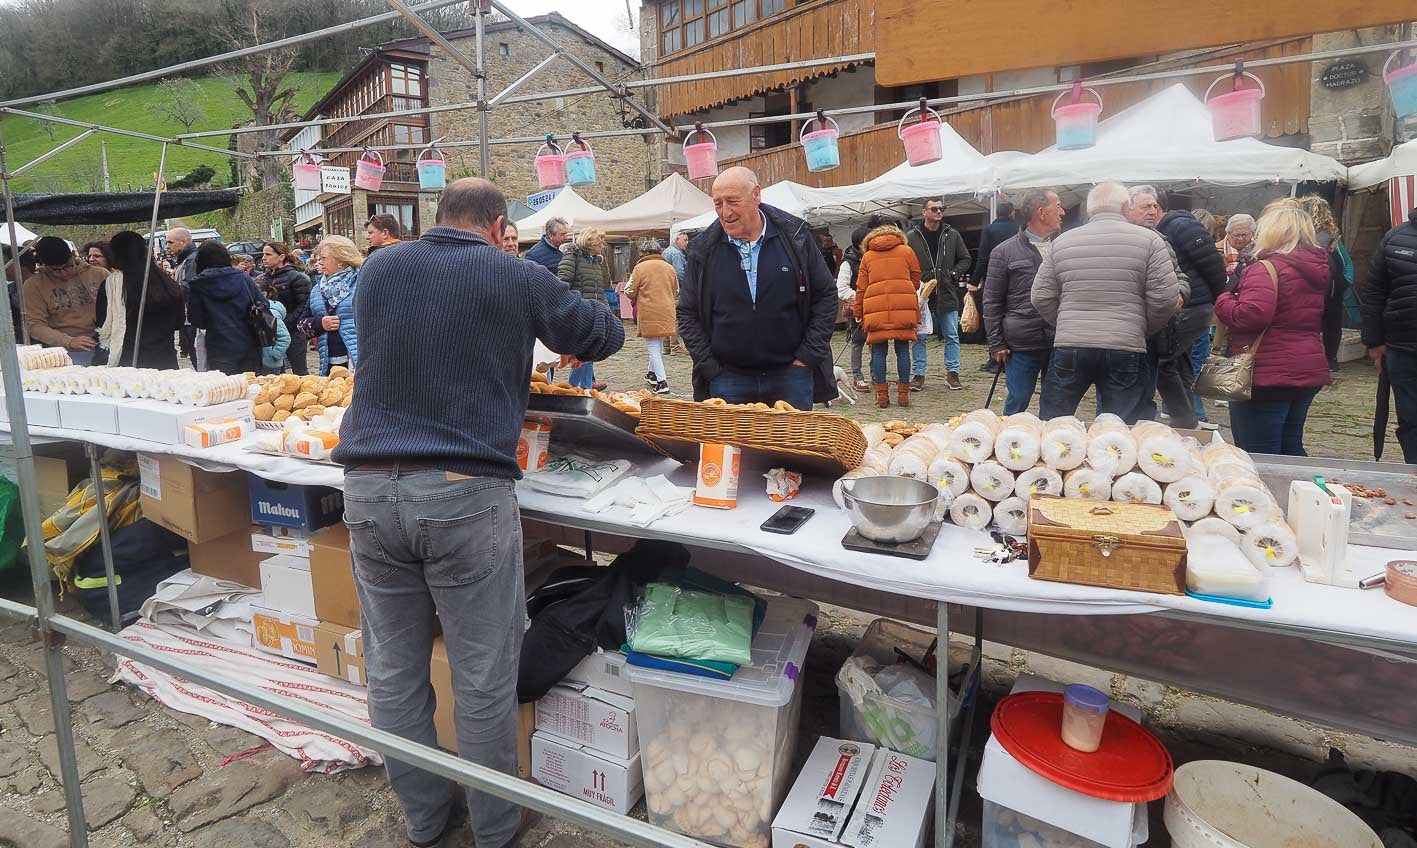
(429, 448)
(547, 252)
(758, 304)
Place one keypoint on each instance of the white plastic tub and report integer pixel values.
(1216, 804)
(1005, 828)
(718, 754)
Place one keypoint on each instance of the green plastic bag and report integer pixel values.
(12, 524)
(693, 625)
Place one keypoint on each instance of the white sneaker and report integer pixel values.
(1223, 404)
(1207, 425)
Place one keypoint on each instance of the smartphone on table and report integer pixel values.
(788, 520)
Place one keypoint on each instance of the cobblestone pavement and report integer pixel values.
(156, 777)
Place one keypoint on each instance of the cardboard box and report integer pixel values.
(52, 475)
(590, 717)
(87, 412)
(228, 558)
(894, 807)
(197, 505)
(286, 585)
(1008, 783)
(332, 570)
(166, 423)
(41, 410)
(818, 806)
(263, 542)
(289, 636)
(575, 770)
(719, 467)
(604, 670)
(442, 677)
(339, 652)
(288, 505)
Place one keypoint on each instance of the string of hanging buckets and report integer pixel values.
(556, 168)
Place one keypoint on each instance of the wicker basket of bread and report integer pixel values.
(808, 439)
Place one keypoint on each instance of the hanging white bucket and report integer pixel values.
(701, 158)
(369, 173)
(1236, 113)
(1217, 804)
(550, 165)
(306, 173)
(921, 139)
(820, 145)
(1075, 123)
(432, 168)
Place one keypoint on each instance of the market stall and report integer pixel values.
(654, 213)
(566, 204)
(1396, 172)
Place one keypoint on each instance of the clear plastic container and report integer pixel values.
(1084, 714)
(881, 720)
(1005, 828)
(717, 754)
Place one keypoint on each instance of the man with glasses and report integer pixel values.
(945, 259)
(60, 300)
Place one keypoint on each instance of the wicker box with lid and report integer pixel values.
(1116, 545)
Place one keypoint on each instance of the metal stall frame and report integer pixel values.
(52, 629)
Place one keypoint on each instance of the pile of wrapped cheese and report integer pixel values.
(314, 439)
(39, 357)
(189, 388)
(987, 467)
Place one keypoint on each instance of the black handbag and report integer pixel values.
(262, 322)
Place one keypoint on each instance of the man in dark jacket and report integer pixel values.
(1390, 324)
(758, 305)
(1006, 225)
(547, 252)
(219, 301)
(430, 457)
(1205, 270)
(943, 257)
(184, 268)
(1019, 339)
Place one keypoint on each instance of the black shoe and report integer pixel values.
(989, 367)
(457, 816)
(661, 387)
(650, 379)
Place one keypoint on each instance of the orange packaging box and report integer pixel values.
(289, 636)
(719, 467)
(534, 444)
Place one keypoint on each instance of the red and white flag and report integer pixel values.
(1402, 198)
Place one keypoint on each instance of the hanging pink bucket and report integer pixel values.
(821, 146)
(1075, 123)
(922, 138)
(580, 164)
(550, 166)
(702, 158)
(1236, 113)
(432, 169)
(307, 173)
(1401, 86)
(369, 173)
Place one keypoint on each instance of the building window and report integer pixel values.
(504, 49)
(686, 23)
(744, 13)
(717, 18)
(406, 80)
(599, 66)
(772, 7)
(402, 212)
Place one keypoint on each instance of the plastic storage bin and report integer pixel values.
(1005, 828)
(921, 139)
(1236, 113)
(580, 165)
(820, 145)
(881, 720)
(717, 754)
(701, 158)
(1401, 86)
(1075, 123)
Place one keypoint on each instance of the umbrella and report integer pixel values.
(1380, 413)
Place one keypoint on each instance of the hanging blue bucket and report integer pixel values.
(580, 165)
(820, 146)
(432, 173)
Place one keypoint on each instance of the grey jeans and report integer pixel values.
(427, 542)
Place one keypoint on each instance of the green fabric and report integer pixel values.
(12, 524)
(671, 622)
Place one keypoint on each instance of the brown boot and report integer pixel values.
(952, 380)
(902, 394)
(883, 395)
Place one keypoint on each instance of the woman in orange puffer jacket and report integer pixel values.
(887, 306)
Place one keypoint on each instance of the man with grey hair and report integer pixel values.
(1105, 287)
(1020, 341)
(758, 304)
(190, 340)
(430, 484)
(547, 252)
(675, 254)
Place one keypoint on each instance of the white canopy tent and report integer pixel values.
(1401, 163)
(21, 233)
(567, 204)
(656, 211)
(1166, 138)
(792, 198)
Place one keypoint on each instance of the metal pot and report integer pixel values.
(887, 509)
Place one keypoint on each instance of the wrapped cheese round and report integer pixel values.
(1064, 443)
(1242, 498)
(937, 433)
(949, 474)
(1214, 526)
(913, 456)
(1088, 482)
(1271, 543)
(972, 440)
(1135, 487)
(874, 433)
(1020, 442)
(1011, 516)
(1111, 447)
(971, 511)
(1039, 480)
(1191, 497)
(1218, 451)
(1161, 455)
(991, 480)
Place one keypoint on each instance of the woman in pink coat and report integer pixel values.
(1287, 307)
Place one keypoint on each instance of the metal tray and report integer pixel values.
(1373, 522)
(587, 422)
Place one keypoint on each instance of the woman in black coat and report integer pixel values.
(162, 314)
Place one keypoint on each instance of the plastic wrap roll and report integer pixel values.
(1218, 451)
(912, 457)
(1064, 443)
(1272, 544)
(971, 511)
(1244, 501)
(972, 440)
(1039, 480)
(1011, 516)
(862, 471)
(1161, 454)
(949, 474)
(1135, 487)
(880, 455)
(937, 433)
(1111, 447)
(873, 432)
(1088, 482)
(991, 480)
(1214, 526)
(1191, 498)
(1020, 442)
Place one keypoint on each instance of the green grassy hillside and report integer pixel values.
(130, 160)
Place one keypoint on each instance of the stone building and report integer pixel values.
(414, 73)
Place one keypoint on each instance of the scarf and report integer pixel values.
(115, 323)
(336, 287)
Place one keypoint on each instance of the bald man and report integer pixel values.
(190, 341)
(758, 303)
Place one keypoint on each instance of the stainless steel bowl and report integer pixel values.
(890, 509)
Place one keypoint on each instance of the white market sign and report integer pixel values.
(334, 179)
